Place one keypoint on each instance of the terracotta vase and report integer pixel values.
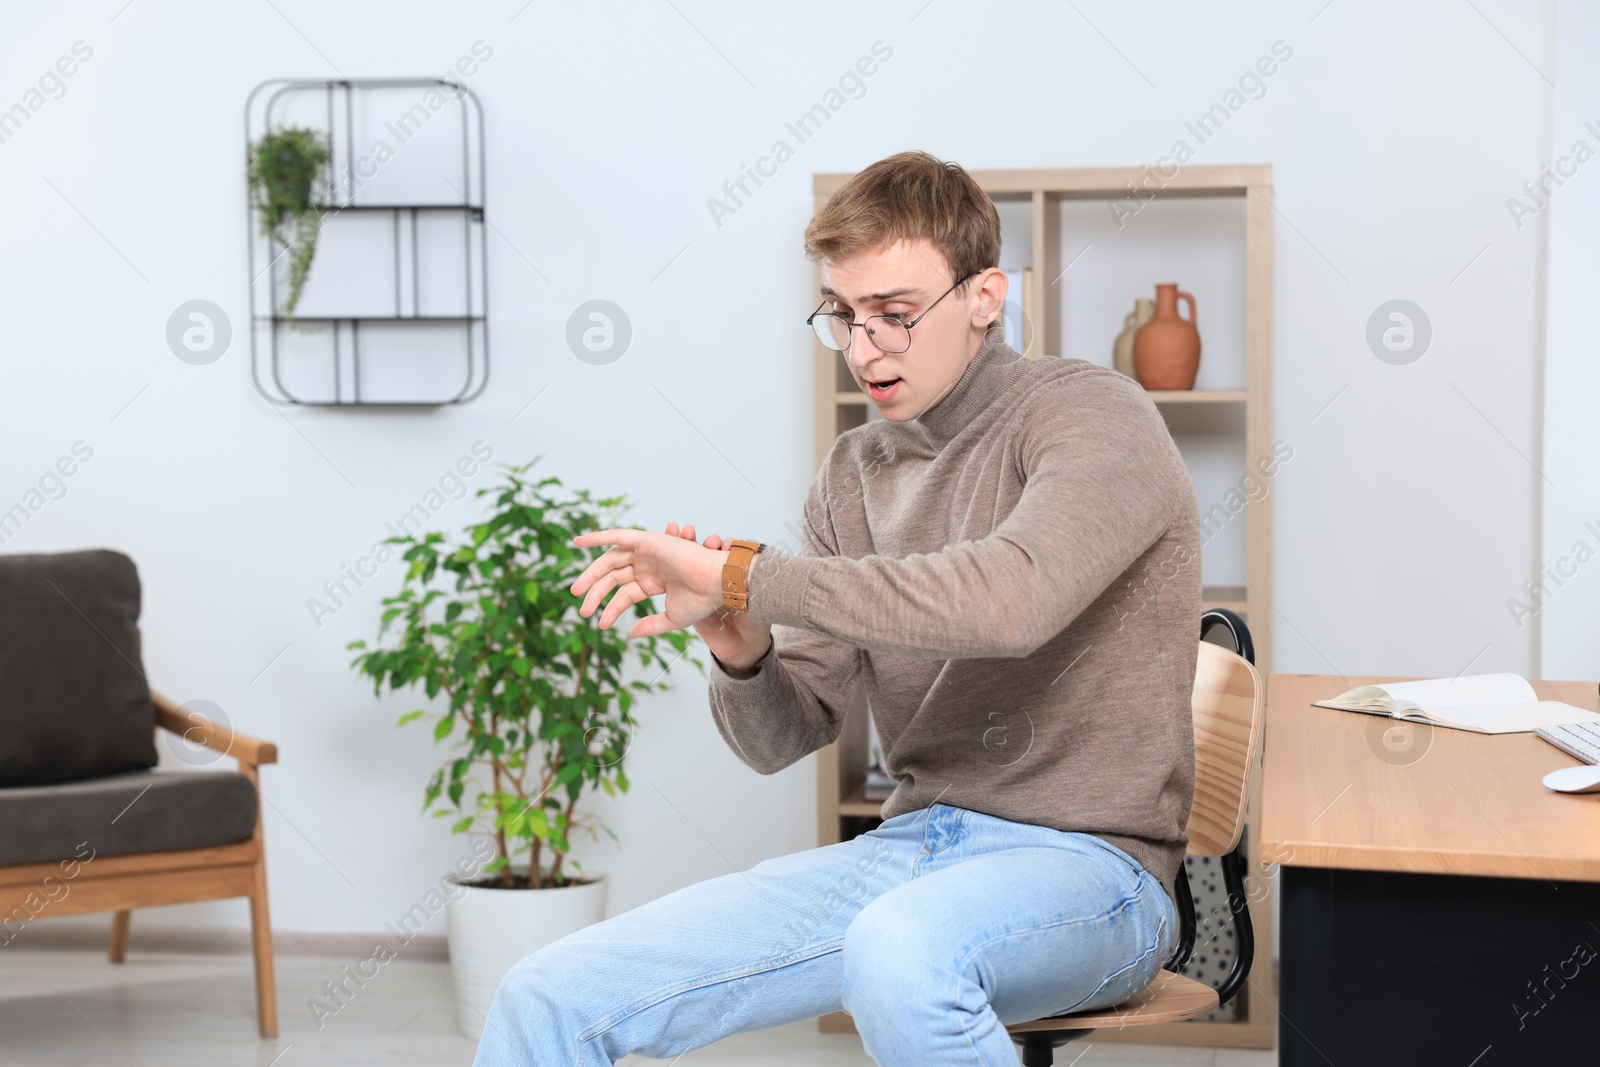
(1122, 351)
(1166, 350)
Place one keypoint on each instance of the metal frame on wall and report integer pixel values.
(267, 322)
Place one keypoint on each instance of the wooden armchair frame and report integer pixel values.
(121, 883)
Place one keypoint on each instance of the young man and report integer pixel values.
(1009, 560)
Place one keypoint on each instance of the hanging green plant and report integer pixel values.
(286, 165)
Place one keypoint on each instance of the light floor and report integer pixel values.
(61, 1006)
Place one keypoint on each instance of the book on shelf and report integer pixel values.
(878, 785)
(1501, 703)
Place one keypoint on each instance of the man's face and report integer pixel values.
(904, 278)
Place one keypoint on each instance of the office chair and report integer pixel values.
(1226, 706)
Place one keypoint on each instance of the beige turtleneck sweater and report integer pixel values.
(1015, 575)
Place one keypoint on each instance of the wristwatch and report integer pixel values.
(736, 573)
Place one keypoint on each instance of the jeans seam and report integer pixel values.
(925, 852)
(952, 830)
(1119, 854)
(1144, 955)
(655, 997)
(1105, 916)
(1111, 912)
(927, 828)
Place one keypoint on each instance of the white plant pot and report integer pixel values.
(491, 930)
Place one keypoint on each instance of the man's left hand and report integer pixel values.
(642, 564)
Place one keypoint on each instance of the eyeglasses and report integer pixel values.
(890, 333)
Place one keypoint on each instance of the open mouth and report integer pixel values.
(883, 390)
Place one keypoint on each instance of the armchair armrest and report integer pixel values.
(197, 729)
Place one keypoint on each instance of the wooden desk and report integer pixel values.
(1439, 904)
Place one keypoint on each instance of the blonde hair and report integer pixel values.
(910, 195)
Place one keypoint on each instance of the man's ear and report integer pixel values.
(992, 284)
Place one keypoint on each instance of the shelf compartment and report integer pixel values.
(855, 803)
(1199, 396)
(1232, 597)
(375, 361)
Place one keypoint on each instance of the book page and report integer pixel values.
(1437, 694)
(1365, 707)
(1362, 698)
(1511, 718)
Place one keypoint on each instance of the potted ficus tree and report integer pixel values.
(535, 706)
(288, 166)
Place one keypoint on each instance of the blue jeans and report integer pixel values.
(933, 930)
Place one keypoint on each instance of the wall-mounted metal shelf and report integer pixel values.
(427, 332)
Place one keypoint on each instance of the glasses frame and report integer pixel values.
(850, 325)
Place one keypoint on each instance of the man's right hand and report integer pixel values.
(737, 640)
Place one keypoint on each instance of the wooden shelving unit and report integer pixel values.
(842, 812)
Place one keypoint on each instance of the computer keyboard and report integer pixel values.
(1580, 739)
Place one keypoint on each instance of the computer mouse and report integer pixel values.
(1584, 779)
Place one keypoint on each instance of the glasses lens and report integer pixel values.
(888, 333)
(832, 331)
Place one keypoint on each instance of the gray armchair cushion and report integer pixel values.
(74, 702)
(141, 811)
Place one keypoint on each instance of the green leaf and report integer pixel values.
(538, 826)
(464, 825)
(411, 716)
(530, 592)
(445, 725)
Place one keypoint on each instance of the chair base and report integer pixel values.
(1038, 1047)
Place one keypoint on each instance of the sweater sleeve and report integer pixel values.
(796, 701)
(1101, 477)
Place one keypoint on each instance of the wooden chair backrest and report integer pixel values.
(1227, 739)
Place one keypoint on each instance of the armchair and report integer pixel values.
(91, 824)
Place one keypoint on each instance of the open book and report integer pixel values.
(1482, 703)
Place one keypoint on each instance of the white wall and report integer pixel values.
(1402, 523)
(1566, 608)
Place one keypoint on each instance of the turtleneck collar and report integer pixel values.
(985, 378)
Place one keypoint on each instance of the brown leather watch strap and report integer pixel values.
(736, 573)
